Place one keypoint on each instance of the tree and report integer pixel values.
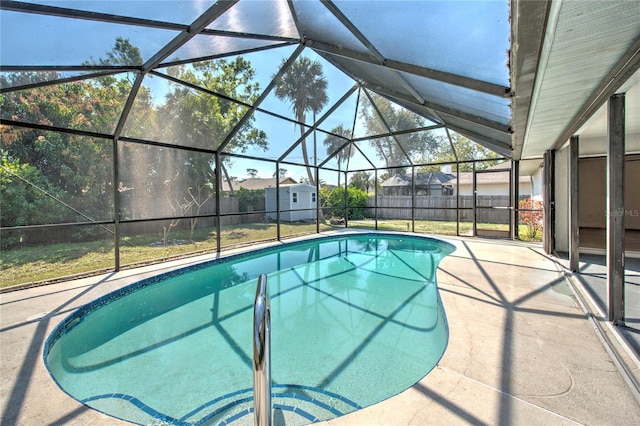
(305, 87)
(466, 149)
(252, 173)
(357, 202)
(202, 120)
(281, 173)
(27, 196)
(80, 167)
(531, 215)
(396, 151)
(334, 144)
(122, 53)
(362, 180)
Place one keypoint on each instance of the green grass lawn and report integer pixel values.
(32, 264)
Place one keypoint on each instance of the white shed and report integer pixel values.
(297, 202)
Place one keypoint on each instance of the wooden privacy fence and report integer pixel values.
(441, 207)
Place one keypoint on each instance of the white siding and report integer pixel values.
(307, 208)
(495, 189)
(537, 184)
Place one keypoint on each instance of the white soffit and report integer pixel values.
(574, 63)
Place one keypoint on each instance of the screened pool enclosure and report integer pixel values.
(137, 131)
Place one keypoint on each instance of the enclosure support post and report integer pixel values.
(514, 201)
(346, 202)
(375, 194)
(413, 199)
(615, 208)
(278, 201)
(574, 228)
(474, 190)
(548, 232)
(317, 200)
(458, 199)
(218, 197)
(116, 206)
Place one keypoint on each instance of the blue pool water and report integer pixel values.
(355, 319)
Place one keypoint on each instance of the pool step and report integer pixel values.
(292, 405)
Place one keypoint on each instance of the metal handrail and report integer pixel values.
(262, 354)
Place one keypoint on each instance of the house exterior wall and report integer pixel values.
(525, 188)
(536, 184)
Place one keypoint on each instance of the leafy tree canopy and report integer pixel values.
(304, 86)
(466, 150)
(381, 116)
(80, 168)
(357, 201)
(364, 181)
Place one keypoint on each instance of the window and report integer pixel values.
(294, 197)
(313, 197)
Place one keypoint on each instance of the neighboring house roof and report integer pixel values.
(298, 186)
(421, 179)
(257, 183)
(466, 178)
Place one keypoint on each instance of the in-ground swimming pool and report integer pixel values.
(355, 319)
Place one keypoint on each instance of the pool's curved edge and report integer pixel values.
(443, 313)
(67, 323)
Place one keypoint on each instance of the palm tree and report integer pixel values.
(305, 87)
(337, 139)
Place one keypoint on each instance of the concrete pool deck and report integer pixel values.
(521, 350)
